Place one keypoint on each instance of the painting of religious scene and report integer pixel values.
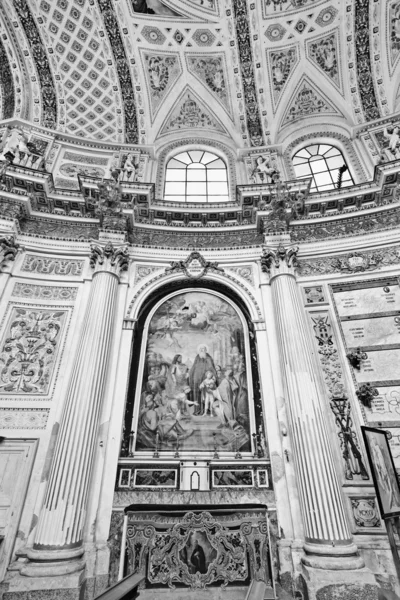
(195, 386)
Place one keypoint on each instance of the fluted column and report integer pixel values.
(325, 525)
(59, 533)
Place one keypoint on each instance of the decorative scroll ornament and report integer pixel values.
(340, 405)
(274, 258)
(108, 258)
(194, 267)
(341, 408)
(8, 249)
(199, 551)
(28, 351)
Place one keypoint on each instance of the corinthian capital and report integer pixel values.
(279, 259)
(109, 258)
(8, 249)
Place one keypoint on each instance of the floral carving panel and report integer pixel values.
(29, 350)
(281, 65)
(161, 72)
(324, 53)
(211, 71)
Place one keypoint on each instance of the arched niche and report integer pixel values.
(223, 414)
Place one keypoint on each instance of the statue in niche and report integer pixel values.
(195, 389)
(263, 172)
(129, 170)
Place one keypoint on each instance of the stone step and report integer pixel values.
(230, 593)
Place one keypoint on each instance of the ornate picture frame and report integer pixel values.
(383, 471)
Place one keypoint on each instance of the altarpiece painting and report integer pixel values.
(195, 379)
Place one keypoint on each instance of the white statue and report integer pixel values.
(393, 136)
(263, 172)
(128, 172)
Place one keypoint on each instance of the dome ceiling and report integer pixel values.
(143, 71)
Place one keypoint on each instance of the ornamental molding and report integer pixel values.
(24, 418)
(279, 259)
(352, 262)
(194, 267)
(52, 266)
(44, 292)
(109, 258)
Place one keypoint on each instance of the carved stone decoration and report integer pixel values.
(23, 418)
(8, 250)
(44, 292)
(144, 271)
(365, 512)
(341, 408)
(108, 258)
(123, 70)
(307, 100)
(189, 112)
(246, 272)
(281, 66)
(285, 206)
(54, 266)
(243, 36)
(363, 58)
(354, 262)
(161, 72)
(366, 394)
(7, 85)
(324, 53)
(211, 71)
(43, 69)
(114, 545)
(194, 267)
(29, 349)
(274, 258)
(9, 210)
(198, 550)
(339, 403)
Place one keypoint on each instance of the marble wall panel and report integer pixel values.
(372, 331)
(381, 365)
(386, 406)
(394, 443)
(368, 301)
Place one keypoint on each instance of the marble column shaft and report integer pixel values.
(61, 522)
(320, 495)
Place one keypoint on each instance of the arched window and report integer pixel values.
(196, 176)
(325, 164)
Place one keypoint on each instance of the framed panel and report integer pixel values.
(156, 478)
(124, 478)
(383, 471)
(230, 478)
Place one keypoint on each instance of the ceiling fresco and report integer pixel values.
(136, 71)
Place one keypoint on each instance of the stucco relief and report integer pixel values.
(324, 53)
(23, 418)
(307, 100)
(55, 266)
(189, 112)
(29, 349)
(161, 72)
(211, 71)
(282, 63)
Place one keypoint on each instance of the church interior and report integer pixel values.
(199, 241)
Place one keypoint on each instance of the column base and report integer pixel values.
(62, 587)
(332, 584)
(335, 558)
(53, 563)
